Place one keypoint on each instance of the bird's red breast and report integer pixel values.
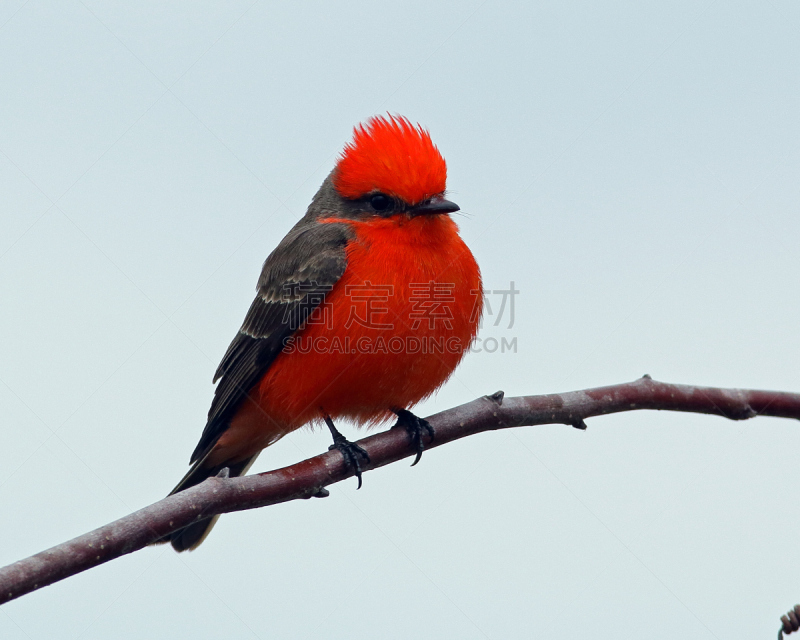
(320, 371)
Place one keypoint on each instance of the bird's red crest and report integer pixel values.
(391, 155)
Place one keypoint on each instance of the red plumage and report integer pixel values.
(365, 386)
(392, 156)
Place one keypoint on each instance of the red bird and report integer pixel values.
(365, 308)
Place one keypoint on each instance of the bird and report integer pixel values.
(363, 309)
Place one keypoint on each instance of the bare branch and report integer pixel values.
(308, 478)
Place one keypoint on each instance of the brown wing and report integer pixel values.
(294, 281)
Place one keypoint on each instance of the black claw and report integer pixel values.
(414, 426)
(350, 451)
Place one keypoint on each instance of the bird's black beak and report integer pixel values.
(433, 206)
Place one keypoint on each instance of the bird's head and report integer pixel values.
(391, 168)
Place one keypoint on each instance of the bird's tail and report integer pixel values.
(191, 536)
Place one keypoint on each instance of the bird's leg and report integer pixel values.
(350, 451)
(415, 427)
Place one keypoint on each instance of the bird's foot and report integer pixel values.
(415, 427)
(351, 452)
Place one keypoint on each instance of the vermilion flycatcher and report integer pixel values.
(365, 308)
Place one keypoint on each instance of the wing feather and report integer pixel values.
(294, 281)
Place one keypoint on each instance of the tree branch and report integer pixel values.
(306, 479)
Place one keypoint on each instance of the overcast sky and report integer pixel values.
(632, 167)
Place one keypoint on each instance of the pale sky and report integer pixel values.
(631, 167)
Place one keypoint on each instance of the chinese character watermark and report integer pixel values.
(430, 303)
(506, 302)
(372, 296)
(426, 319)
(305, 305)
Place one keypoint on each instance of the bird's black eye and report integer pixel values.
(381, 202)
